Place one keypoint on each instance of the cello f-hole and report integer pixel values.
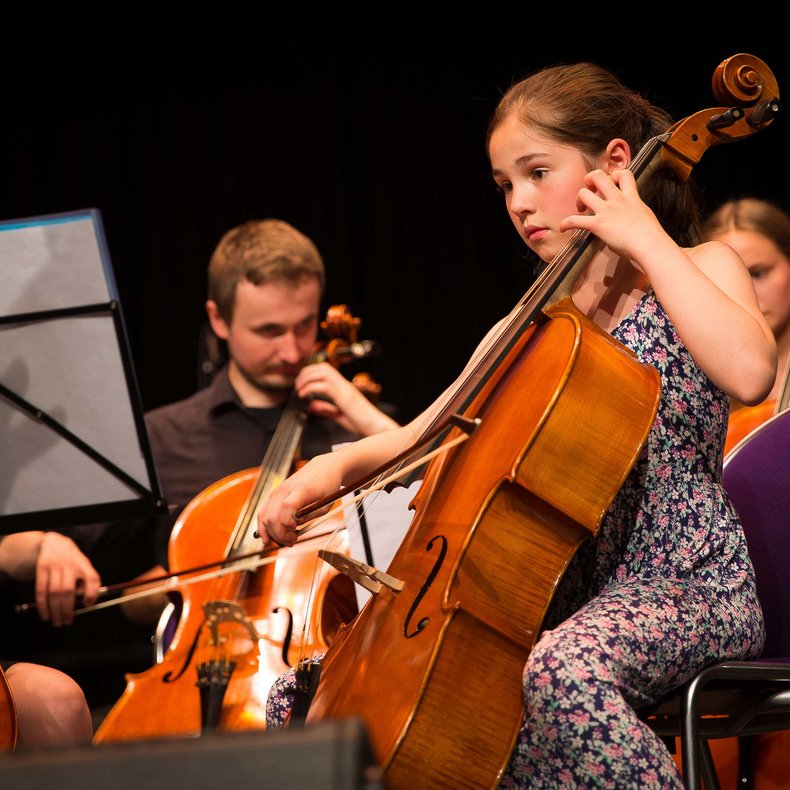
(288, 632)
(169, 677)
(425, 586)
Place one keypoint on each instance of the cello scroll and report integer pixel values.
(750, 92)
(506, 506)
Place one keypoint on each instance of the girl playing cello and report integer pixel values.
(666, 587)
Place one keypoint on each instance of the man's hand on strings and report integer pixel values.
(331, 394)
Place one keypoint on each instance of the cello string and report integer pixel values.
(360, 495)
(174, 583)
(489, 353)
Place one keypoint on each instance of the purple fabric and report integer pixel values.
(757, 478)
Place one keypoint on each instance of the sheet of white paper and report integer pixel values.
(67, 366)
(387, 517)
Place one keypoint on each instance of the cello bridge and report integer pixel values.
(372, 579)
(219, 612)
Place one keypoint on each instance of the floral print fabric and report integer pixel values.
(665, 589)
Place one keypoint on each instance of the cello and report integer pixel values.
(236, 633)
(8, 718)
(433, 667)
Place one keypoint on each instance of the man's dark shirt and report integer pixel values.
(195, 442)
(198, 441)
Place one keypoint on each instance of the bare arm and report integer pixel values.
(323, 475)
(736, 348)
(59, 569)
(706, 291)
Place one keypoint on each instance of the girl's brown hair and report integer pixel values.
(586, 106)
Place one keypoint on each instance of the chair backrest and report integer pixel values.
(757, 478)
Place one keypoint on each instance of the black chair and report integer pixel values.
(739, 699)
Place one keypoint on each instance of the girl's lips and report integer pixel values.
(534, 234)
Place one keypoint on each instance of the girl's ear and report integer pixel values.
(617, 155)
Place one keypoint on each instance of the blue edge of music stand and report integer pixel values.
(145, 497)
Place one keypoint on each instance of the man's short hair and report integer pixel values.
(265, 250)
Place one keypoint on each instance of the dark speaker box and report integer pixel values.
(325, 756)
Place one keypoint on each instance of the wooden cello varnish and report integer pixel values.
(434, 669)
(494, 578)
(238, 632)
(164, 701)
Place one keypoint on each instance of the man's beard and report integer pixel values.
(268, 383)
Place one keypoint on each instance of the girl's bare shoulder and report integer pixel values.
(714, 253)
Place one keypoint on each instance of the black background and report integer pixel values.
(372, 143)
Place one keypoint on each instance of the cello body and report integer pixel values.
(255, 614)
(8, 718)
(433, 664)
(485, 552)
(236, 633)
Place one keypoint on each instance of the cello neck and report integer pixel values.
(274, 468)
(554, 284)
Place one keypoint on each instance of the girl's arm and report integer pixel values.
(707, 291)
(326, 473)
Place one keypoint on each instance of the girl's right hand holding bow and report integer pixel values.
(277, 516)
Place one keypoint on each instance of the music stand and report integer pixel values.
(73, 444)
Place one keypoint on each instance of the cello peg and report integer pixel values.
(725, 119)
(764, 112)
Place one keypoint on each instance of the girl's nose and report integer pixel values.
(521, 200)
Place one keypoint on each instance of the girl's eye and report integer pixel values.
(758, 274)
(538, 173)
(504, 187)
